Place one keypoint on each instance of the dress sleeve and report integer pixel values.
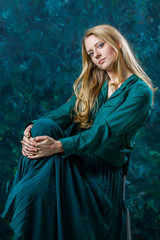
(61, 115)
(127, 117)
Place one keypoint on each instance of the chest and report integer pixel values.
(111, 90)
(113, 101)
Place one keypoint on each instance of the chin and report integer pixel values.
(109, 68)
(105, 68)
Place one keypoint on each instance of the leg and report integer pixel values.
(47, 127)
(32, 202)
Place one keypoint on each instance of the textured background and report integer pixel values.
(40, 57)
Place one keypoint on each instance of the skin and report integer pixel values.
(104, 57)
(101, 53)
(98, 50)
(38, 147)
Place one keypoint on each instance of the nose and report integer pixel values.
(96, 53)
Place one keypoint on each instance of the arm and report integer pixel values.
(61, 115)
(129, 116)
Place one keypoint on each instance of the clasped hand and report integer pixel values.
(37, 147)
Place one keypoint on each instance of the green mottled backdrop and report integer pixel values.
(40, 57)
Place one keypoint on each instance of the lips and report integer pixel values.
(101, 60)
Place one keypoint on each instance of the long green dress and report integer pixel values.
(77, 195)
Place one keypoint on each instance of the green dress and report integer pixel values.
(77, 195)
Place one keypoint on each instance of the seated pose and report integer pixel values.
(69, 187)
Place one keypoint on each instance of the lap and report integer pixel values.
(66, 193)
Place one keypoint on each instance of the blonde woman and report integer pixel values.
(69, 187)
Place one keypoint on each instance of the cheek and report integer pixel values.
(94, 61)
(112, 53)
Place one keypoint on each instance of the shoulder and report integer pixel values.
(140, 88)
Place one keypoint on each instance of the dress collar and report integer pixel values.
(127, 82)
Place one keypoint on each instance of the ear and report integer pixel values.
(119, 45)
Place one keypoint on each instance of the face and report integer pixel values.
(101, 53)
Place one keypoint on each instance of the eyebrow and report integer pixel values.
(94, 45)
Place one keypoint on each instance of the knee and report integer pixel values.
(47, 127)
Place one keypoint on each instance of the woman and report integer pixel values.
(69, 187)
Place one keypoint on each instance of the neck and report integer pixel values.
(126, 73)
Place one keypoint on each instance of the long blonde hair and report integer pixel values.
(88, 85)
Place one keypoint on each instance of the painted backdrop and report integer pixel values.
(40, 57)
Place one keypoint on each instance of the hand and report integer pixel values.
(41, 146)
(26, 136)
(27, 132)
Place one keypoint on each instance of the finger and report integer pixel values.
(30, 150)
(27, 132)
(28, 138)
(25, 142)
(26, 135)
(28, 129)
(26, 145)
(28, 153)
(29, 142)
(24, 154)
(34, 156)
(40, 138)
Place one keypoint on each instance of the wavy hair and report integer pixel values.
(88, 85)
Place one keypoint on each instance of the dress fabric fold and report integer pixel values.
(65, 198)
